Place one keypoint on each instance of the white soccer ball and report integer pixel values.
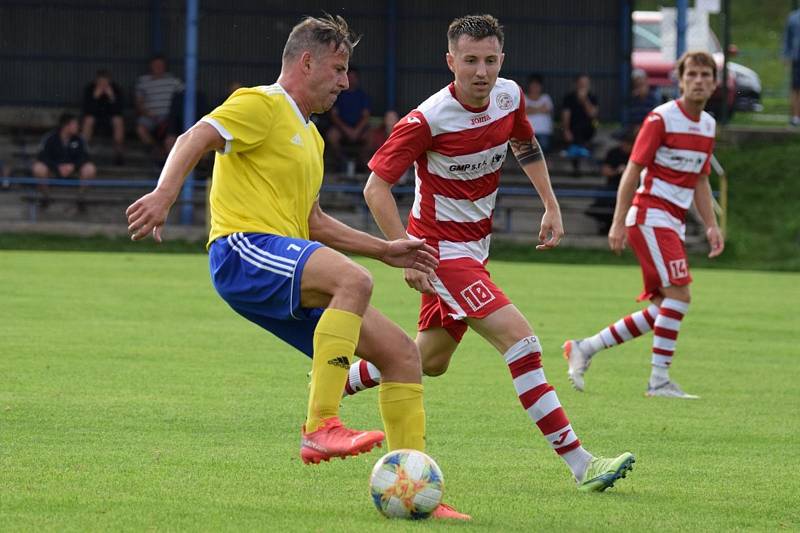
(406, 484)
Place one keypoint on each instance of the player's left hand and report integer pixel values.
(411, 253)
(715, 240)
(551, 231)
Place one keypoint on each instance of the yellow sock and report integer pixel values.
(335, 341)
(403, 415)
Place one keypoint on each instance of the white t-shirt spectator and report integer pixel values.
(542, 122)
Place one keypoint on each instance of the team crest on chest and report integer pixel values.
(504, 101)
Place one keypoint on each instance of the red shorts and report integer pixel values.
(662, 257)
(463, 289)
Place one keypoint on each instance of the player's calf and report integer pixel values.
(364, 375)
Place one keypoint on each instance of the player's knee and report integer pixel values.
(357, 281)
(400, 358)
(680, 293)
(435, 366)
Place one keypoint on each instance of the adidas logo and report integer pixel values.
(297, 140)
(341, 362)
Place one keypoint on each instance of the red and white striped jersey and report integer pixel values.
(675, 150)
(457, 152)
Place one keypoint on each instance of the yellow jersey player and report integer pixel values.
(272, 250)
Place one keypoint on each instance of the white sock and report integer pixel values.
(658, 375)
(622, 330)
(591, 345)
(362, 375)
(665, 337)
(578, 461)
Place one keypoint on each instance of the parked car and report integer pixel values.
(744, 84)
(748, 88)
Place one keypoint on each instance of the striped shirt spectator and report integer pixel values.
(154, 93)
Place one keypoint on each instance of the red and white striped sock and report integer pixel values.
(622, 330)
(665, 335)
(539, 399)
(362, 375)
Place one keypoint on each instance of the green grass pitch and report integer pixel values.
(132, 398)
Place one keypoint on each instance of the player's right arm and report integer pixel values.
(240, 124)
(148, 214)
(627, 188)
(383, 206)
(644, 150)
(410, 138)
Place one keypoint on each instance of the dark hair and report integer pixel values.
(65, 118)
(103, 73)
(476, 27)
(318, 32)
(700, 58)
(582, 75)
(535, 77)
(157, 57)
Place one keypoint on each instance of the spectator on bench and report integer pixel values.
(63, 155)
(349, 121)
(175, 115)
(539, 108)
(377, 135)
(153, 96)
(791, 55)
(642, 98)
(102, 109)
(578, 120)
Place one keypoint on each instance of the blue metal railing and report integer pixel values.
(343, 188)
(198, 187)
(333, 187)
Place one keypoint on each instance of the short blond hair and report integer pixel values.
(317, 33)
